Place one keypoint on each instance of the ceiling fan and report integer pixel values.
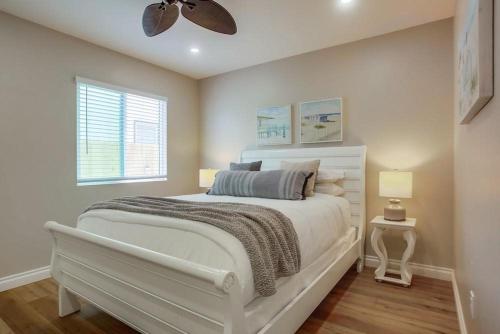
(158, 17)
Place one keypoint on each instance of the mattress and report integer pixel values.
(320, 222)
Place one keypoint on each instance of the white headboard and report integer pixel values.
(350, 159)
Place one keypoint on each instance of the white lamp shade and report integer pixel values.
(396, 184)
(207, 177)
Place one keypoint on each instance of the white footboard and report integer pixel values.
(151, 292)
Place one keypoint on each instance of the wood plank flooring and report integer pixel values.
(356, 305)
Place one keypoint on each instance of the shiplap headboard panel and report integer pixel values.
(350, 159)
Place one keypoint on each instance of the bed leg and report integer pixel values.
(68, 303)
(360, 265)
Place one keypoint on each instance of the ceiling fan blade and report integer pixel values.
(158, 17)
(209, 14)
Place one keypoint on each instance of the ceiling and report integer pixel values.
(267, 29)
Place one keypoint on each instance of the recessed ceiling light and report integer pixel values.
(345, 2)
(194, 50)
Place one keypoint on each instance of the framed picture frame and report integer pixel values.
(274, 126)
(321, 121)
(475, 60)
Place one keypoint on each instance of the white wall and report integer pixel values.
(38, 138)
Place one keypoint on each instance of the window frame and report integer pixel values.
(121, 179)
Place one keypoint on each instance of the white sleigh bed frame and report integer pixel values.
(157, 293)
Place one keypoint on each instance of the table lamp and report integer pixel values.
(207, 177)
(395, 185)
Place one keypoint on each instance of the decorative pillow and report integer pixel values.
(312, 166)
(248, 166)
(279, 184)
(329, 176)
(329, 188)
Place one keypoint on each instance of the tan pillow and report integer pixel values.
(310, 166)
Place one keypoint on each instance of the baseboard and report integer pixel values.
(30, 276)
(458, 304)
(426, 270)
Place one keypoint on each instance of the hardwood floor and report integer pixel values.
(356, 305)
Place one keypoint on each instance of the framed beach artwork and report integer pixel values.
(274, 126)
(475, 60)
(321, 121)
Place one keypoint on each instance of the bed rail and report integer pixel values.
(151, 292)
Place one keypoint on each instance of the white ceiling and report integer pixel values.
(267, 29)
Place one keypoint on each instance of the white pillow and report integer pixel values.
(329, 175)
(329, 188)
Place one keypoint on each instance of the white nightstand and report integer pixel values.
(379, 226)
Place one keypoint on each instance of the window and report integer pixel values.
(121, 134)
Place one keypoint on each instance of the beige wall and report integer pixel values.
(397, 97)
(38, 140)
(477, 204)
(398, 100)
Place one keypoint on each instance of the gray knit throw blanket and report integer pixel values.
(267, 235)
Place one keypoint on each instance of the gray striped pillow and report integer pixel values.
(279, 184)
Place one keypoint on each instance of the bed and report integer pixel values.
(160, 275)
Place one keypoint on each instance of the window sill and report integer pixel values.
(97, 183)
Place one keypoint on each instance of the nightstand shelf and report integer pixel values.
(409, 235)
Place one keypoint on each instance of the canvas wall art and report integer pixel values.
(475, 61)
(274, 126)
(321, 121)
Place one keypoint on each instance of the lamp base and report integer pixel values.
(394, 211)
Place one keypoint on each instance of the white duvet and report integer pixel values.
(319, 221)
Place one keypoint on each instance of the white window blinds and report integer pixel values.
(121, 134)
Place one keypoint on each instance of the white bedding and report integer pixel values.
(320, 221)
